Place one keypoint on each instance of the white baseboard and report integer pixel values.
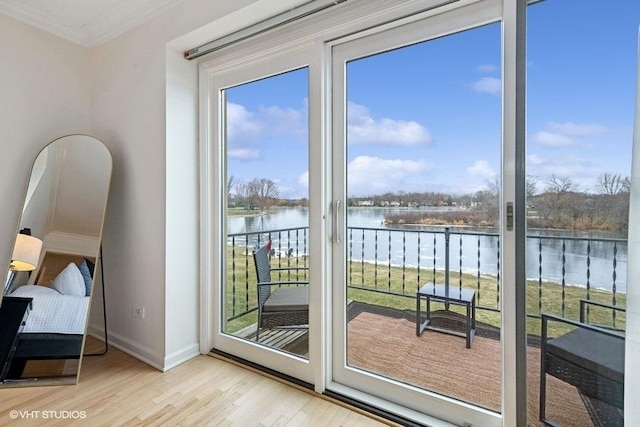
(142, 353)
(145, 354)
(181, 356)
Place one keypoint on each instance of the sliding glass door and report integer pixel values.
(436, 233)
(261, 301)
(416, 277)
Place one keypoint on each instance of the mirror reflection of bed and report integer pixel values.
(64, 209)
(56, 322)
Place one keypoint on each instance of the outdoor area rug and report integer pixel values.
(441, 363)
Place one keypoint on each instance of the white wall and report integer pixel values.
(44, 94)
(144, 106)
(128, 115)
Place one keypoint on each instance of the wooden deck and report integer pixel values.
(383, 341)
(294, 341)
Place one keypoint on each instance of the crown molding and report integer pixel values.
(127, 16)
(94, 30)
(39, 19)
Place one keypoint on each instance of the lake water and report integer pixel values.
(414, 246)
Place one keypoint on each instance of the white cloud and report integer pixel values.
(284, 120)
(373, 175)
(303, 179)
(246, 129)
(577, 129)
(482, 169)
(487, 68)
(566, 134)
(554, 139)
(362, 128)
(243, 126)
(243, 154)
(241, 121)
(535, 159)
(490, 85)
(579, 168)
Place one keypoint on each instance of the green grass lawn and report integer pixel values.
(396, 287)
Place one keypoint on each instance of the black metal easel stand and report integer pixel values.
(104, 313)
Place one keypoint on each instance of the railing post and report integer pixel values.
(446, 260)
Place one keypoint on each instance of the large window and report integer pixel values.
(581, 70)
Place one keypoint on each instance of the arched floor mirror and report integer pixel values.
(50, 283)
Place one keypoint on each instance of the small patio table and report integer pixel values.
(451, 295)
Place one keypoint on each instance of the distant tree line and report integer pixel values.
(556, 202)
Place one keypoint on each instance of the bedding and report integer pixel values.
(53, 312)
(69, 281)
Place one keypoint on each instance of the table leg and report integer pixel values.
(422, 325)
(473, 312)
(468, 326)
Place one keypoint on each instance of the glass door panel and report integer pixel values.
(423, 153)
(265, 298)
(580, 122)
(419, 278)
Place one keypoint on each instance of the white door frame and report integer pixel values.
(218, 76)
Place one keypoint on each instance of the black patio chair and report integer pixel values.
(281, 304)
(592, 359)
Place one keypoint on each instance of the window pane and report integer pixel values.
(267, 157)
(580, 80)
(423, 154)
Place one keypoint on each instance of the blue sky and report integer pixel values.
(428, 117)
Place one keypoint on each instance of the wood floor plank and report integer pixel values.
(118, 390)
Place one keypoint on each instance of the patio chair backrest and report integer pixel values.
(263, 271)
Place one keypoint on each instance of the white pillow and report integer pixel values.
(69, 281)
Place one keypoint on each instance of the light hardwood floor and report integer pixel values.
(117, 389)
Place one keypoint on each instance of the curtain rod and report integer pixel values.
(261, 27)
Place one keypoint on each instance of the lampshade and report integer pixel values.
(26, 253)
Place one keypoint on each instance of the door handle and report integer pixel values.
(336, 222)
(509, 216)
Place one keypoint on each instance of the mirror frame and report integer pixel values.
(64, 248)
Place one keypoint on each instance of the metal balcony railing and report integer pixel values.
(397, 262)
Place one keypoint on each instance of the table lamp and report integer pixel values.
(25, 257)
(26, 253)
